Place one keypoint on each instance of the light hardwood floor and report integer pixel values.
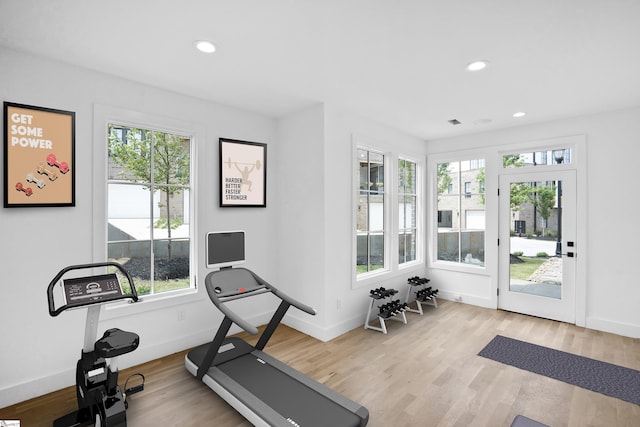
(424, 373)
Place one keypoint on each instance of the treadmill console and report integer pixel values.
(90, 290)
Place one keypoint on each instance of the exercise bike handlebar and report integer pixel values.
(53, 311)
(236, 283)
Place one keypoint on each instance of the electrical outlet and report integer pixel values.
(181, 315)
(338, 303)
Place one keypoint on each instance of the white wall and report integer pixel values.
(301, 242)
(38, 351)
(315, 210)
(612, 226)
(299, 190)
(346, 302)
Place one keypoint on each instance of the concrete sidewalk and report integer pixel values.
(531, 247)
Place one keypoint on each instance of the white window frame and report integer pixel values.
(419, 192)
(386, 210)
(103, 115)
(432, 214)
(392, 268)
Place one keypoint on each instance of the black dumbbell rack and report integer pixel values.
(424, 294)
(390, 310)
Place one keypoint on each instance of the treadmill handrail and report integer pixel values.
(263, 287)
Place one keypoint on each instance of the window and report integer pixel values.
(149, 206)
(537, 158)
(370, 220)
(407, 211)
(445, 219)
(461, 213)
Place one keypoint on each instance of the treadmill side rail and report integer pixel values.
(263, 389)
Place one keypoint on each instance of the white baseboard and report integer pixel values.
(466, 299)
(337, 329)
(618, 328)
(16, 393)
(322, 334)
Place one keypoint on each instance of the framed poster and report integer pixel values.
(39, 156)
(243, 173)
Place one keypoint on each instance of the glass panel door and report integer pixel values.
(537, 244)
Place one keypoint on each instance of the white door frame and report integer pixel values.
(563, 308)
(578, 145)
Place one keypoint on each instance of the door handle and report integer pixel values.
(569, 254)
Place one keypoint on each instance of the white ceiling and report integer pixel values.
(400, 62)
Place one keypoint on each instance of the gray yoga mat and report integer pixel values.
(606, 378)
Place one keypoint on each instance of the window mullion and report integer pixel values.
(152, 189)
(460, 186)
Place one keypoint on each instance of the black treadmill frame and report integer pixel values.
(207, 366)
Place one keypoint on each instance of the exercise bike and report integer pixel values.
(100, 400)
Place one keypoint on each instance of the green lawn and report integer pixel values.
(363, 268)
(143, 287)
(526, 269)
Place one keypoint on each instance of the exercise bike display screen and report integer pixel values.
(90, 290)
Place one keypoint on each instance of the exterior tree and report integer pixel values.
(543, 199)
(169, 155)
(480, 178)
(519, 192)
(444, 178)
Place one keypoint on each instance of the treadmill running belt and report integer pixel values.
(293, 400)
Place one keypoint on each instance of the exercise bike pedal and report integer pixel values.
(134, 389)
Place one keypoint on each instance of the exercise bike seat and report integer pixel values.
(116, 342)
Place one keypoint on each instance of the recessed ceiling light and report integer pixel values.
(205, 46)
(477, 65)
(519, 114)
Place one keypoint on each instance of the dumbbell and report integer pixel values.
(39, 182)
(384, 311)
(43, 170)
(399, 308)
(385, 314)
(393, 308)
(423, 295)
(27, 190)
(376, 293)
(388, 310)
(257, 164)
(63, 166)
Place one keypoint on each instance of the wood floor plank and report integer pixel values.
(424, 373)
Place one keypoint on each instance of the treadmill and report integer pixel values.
(264, 390)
